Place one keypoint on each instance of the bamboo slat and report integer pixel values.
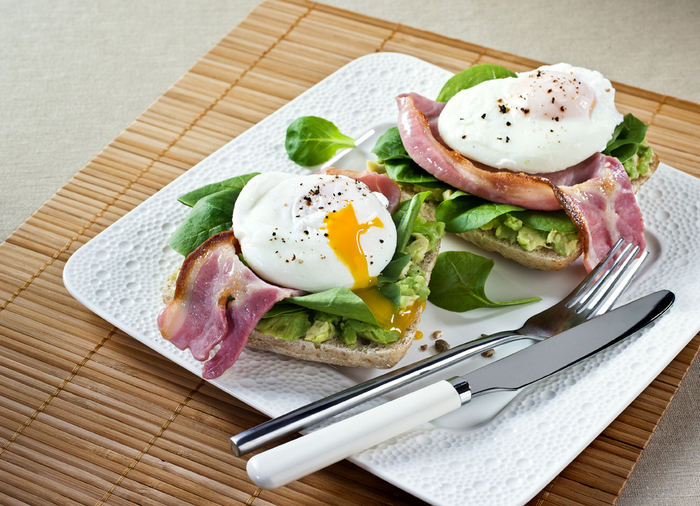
(88, 415)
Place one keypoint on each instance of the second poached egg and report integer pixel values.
(538, 122)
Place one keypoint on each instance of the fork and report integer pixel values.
(595, 295)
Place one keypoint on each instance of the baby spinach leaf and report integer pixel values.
(462, 212)
(210, 215)
(626, 138)
(283, 308)
(547, 221)
(471, 77)
(408, 171)
(234, 183)
(393, 269)
(391, 152)
(312, 141)
(389, 146)
(338, 301)
(458, 281)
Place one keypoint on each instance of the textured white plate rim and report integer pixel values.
(505, 461)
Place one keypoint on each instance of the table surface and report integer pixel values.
(97, 66)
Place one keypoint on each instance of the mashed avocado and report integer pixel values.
(324, 327)
(290, 326)
(640, 163)
(541, 235)
(413, 287)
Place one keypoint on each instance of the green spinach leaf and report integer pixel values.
(282, 308)
(547, 221)
(312, 141)
(338, 301)
(394, 268)
(458, 281)
(210, 215)
(471, 77)
(408, 171)
(389, 146)
(391, 152)
(234, 183)
(392, 291)
(626, 138)
(463, 212)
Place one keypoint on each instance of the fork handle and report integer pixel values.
(325, 408)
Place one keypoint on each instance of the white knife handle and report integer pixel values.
(299, 457)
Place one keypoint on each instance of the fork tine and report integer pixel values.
(601, 272)
(628, 273)
(600, 295)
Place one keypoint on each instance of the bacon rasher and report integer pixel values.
(217, 300)
(596, 194)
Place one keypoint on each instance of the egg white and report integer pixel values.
(538, 122)
(279, 218)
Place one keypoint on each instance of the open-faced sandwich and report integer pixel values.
(322, 267)
(538, 166)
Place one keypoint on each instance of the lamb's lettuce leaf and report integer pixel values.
(311, 141)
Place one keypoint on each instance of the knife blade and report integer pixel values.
(297, 458)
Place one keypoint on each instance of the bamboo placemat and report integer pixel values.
(91, 416)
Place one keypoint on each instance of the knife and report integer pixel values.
(299, 457)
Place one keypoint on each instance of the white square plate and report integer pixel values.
(120, 274)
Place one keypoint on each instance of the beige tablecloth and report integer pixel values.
(74, 74)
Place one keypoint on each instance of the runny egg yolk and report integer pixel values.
(385, 311)
(344, 233)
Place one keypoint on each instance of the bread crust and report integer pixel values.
(544, 259)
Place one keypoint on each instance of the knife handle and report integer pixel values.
(307, 454)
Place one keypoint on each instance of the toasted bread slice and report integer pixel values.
(542, 258)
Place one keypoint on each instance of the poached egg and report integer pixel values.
(314, 232)
(539, 122)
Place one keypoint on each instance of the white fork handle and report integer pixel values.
(299, 457)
